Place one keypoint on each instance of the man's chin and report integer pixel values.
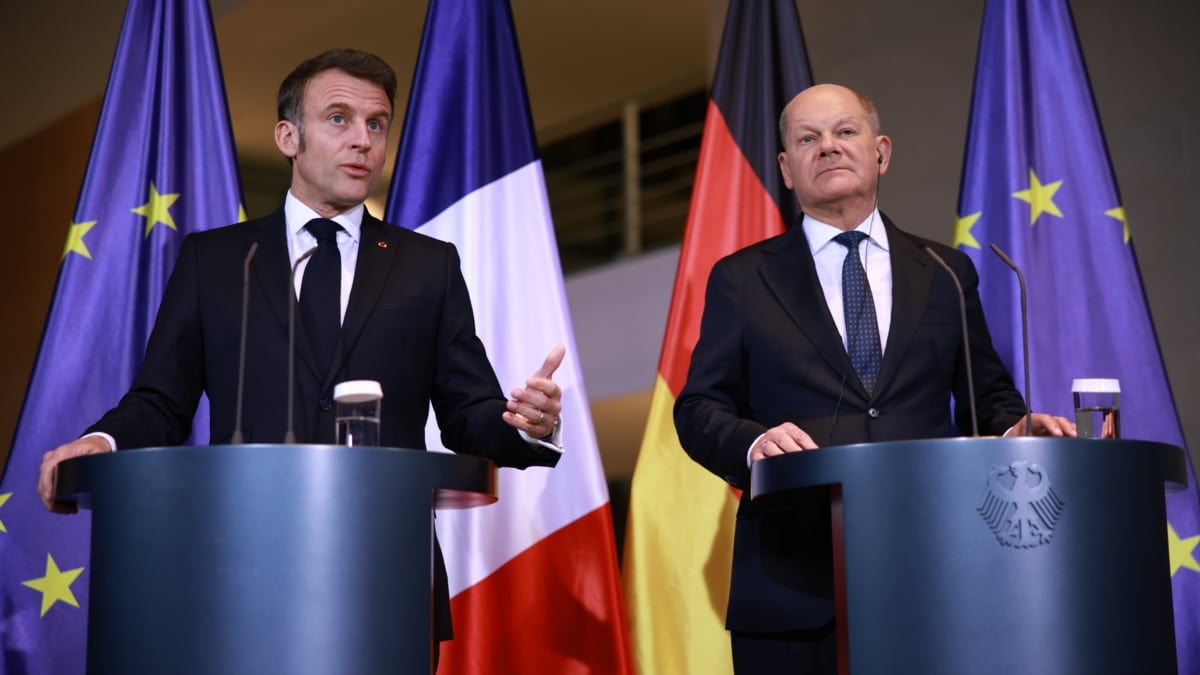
(351, 198)
(844, 182)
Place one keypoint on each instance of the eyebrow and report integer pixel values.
(841, 121)
(338, 106)
(335, 107)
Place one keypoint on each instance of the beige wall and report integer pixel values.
(39, 183)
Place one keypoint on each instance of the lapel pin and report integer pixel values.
(382, 244)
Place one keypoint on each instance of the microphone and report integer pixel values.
(1024, 337)
(962, 313)
(290, 437)
(237, 438)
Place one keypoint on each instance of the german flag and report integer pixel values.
(679, 540)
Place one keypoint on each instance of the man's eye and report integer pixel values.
(375, 126)
(847, 132)
(337, 119)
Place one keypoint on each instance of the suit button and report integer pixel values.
(326, 403)
(873, 413)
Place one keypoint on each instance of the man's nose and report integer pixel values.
(362, 136)
(829, 144)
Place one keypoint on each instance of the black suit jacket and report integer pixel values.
(408, 324)
(769, 352)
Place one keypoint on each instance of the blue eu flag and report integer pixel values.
(1037, 182)
(162, 165)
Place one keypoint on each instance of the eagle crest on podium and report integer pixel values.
(1020, 506)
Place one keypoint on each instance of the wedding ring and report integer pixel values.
(541, 416)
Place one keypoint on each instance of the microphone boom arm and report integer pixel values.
(289, 437)
(1024, 336)
(962, 313)
(238, 438)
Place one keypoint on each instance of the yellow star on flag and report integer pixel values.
(157, 210)
(1182, 551)
(75, 243)
(241, 213)
(1040, 197)
(962, 231)
(3, 498)
(1119, 214)
(56, 585)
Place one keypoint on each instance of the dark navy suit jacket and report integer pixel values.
(408, 324)
(769, 352)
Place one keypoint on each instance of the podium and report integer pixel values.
(995, 556)
(299, 559)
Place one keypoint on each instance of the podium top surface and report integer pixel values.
(948, 457)
(455, 481)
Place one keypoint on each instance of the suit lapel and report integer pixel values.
(791, 276)
(273, 272)
(377, 247)
(912, 275)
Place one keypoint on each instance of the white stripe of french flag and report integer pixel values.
(534, 580)
(510, 261)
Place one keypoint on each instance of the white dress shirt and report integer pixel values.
(828, 257)
(296, 215)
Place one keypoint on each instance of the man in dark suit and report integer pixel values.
(817, 337)
(397, 306)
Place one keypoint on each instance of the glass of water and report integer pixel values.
(1097, 407)
(357, 412)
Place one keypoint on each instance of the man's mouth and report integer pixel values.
(357, 170)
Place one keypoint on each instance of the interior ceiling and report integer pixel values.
(579, 57)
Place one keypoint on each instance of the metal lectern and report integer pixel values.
(995, 556)
(298, 559)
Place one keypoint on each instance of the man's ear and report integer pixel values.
(287, 138)
(883, 149)
(784, 171)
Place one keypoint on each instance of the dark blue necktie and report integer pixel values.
(862, 330)
(321, 292)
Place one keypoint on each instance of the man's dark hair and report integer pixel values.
(363, 65)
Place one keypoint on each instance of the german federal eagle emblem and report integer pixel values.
(1020, 506)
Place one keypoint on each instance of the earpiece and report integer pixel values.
(879, 159)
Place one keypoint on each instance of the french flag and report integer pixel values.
(534, 579)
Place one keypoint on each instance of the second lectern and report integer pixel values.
(301, 559)
(1035, 556)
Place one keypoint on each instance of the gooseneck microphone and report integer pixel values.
(962, 314)
(1024, 337)
(237, 438)
(290, 436)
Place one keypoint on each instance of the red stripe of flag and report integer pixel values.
(549, 594)
(730, 209)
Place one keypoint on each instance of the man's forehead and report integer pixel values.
(338, 89)
(808, 119)
(826, 98)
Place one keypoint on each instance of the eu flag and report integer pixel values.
(162, 165)
(1037, 182)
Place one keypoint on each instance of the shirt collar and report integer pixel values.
(821, 234)
(297, 214)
